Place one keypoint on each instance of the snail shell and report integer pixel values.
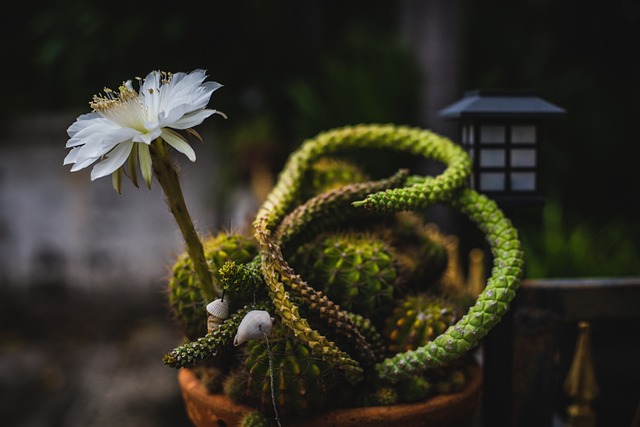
(218, 312)
(253, 326)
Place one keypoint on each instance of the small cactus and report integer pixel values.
(385, 396)
(422, 257)
(301, 383)
(355, 270)
(414, 389)
(416, 320)
(255, 419)
(328, 173)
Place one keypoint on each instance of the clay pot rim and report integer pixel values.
(403, 414)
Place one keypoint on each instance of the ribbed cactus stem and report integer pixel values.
(490, 305)
(330, 208)
(208, 346)
(167, 176)
(288, 311)
(420, 142)
(323, 306)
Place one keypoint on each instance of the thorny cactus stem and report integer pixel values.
(314, 215)
(279, 201)
(289, 314)
(168, 178)
(208, 346)
(420, 142)
(490, 305)
(330, 208)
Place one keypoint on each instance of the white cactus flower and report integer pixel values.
(124, 123)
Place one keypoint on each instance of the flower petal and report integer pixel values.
(89, 127)
(192, 119)
(145, 163)
(115, 159)
(98, 144)
(82, 122)
(71, 157)
(185, 93)
(179, 143)
(147, 137)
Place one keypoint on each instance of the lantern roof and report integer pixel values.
(500, 104)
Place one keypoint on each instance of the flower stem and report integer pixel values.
(167, 176)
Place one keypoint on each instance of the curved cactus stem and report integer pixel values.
(208, 346)
(490, 305)
(420, 142)
(279, 201)
(333, 206)
(330, 208)
(273, 267)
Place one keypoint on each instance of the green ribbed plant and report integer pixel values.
(356, 270)
(302, 383)
(343, 274)
(185, 296)
(416, 320)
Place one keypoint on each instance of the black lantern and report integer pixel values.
(501, 131)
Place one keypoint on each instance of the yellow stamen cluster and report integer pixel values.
(111, 99)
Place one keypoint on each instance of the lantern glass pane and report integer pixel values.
(492, 158)
(467, 135)
(492, 134)
(523, 181)
(492, 181)
(523, 134)
(523, 158)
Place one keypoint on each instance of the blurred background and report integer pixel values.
(82, 269)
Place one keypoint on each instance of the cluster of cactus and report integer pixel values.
(353, 278)
(185, 296)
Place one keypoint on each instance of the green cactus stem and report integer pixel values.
(276, 272)
(284, 276)
(328, 209)
(208, 346)
(420, 142)
(167, 176)
(287, 190)
(490, 305)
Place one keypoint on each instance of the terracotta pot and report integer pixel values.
(451, 410)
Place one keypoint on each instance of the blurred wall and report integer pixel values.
(60, 229)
